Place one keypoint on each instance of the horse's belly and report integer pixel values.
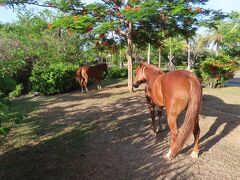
(157, 97)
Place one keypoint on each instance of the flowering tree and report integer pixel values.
(134, 21)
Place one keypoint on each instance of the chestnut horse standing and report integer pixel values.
(176, 91)
(85, 72)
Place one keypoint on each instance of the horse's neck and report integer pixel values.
(152, 73)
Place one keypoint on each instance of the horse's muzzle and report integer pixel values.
(136, 84)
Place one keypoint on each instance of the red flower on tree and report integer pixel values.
(104, 43)
(213, 68)
(75, 18)
(136, 9)
(127, 7)
(49, 26)
(97, 43)
(101, 35)
(117, 31)
(89, 29)
(198, 10)
(118, 14)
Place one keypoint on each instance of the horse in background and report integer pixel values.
(85, 72)
(176, 91)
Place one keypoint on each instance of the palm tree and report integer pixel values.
(214, 39)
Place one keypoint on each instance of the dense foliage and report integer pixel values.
(215, 71)
(8, 89)
(116, 72)
(55, 78)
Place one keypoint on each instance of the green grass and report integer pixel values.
(25, 105)
(18, 112)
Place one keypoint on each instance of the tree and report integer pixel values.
(133, 21)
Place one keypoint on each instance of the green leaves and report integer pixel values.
(77, 23)
(7, 84)
(215, 71)
(108, 26)
(56, 78)
(4, 131)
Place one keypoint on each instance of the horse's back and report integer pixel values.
(94, 71)
(176, 85)
(179, 78)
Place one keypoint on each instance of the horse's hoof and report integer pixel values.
(153, 133)
(161, 129)
(168, 156)
(194, 155)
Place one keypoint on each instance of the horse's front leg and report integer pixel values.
(159, 119)
(152, 113)
(99, 87)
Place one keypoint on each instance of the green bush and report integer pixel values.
(8, 119)
(55, 78)
(7, 84)
(216, 71)
(16, 92)
(115, 73)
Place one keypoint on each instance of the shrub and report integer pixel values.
(8, 119)
(17, 92)
(115, 72)
(55, 78)
(7, 83)
(216, 71)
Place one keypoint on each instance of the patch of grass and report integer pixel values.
(18, 112)
(115, 82)
(25, 105)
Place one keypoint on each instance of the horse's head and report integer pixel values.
(140, 77)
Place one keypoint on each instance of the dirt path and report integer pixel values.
(106, 135)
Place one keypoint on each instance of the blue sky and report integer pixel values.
(7, 15)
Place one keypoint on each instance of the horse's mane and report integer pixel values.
(153, 67)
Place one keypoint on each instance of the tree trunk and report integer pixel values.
(136, 55)
(189, 55)
(149, 52)
(217, 48)
(171, 66)
(129, 58)
(60, 33)
(159, 57)
(120, 58)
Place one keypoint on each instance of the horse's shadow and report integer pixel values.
(227, 119)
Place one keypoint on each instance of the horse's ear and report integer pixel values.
(141, 64)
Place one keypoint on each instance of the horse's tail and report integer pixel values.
(192, 113)
(79, 74)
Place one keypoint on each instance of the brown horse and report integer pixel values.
(85, 72)
(176, 91)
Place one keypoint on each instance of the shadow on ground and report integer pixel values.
(105, 135)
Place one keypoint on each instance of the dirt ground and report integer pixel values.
(106, 135)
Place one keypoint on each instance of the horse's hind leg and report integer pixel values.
(82, 84)
(172, 122)
(196, 133)
(85, 85)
